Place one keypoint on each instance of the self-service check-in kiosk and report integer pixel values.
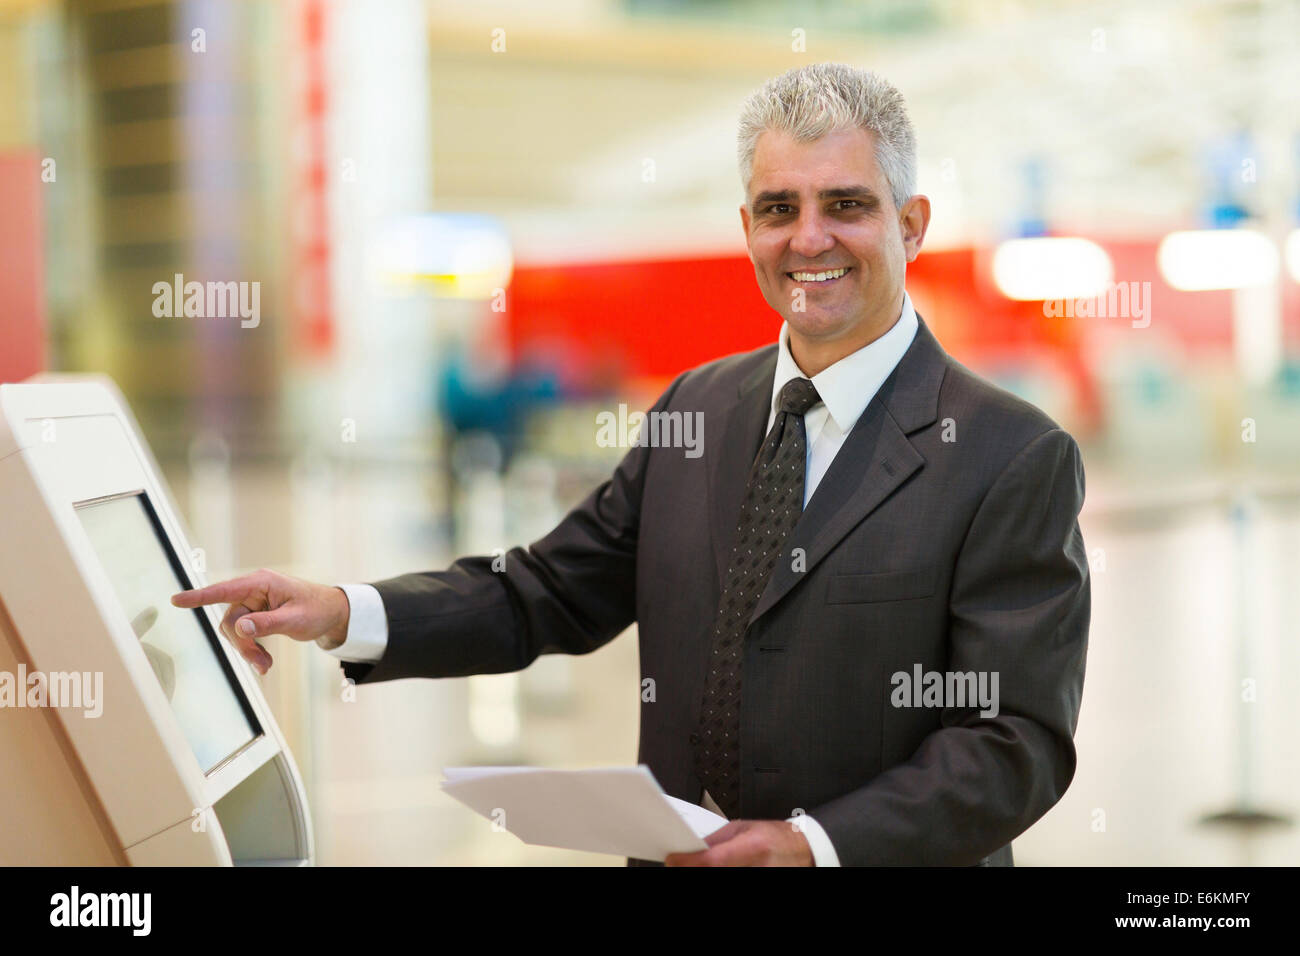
(130, 731)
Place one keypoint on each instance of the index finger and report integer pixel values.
(223, 592)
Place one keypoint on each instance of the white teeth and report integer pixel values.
(817, 276)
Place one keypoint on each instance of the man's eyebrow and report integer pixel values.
(847, 192)
(774, 195)
(837, 192)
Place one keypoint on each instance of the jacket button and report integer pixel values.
(695, 738)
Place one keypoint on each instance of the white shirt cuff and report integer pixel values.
(822, 849)
(367, 635)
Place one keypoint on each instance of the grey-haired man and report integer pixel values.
(865, 507)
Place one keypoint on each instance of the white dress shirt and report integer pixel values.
(846, 389)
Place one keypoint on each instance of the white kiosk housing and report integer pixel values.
(183, 763)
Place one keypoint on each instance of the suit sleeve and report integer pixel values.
(1019, 608)
(570, 592)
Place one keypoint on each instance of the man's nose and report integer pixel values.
(811, 236)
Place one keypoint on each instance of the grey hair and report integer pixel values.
(810, 101)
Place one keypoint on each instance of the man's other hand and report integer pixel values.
(750, 843)
(266, 602)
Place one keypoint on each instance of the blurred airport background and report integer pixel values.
(471, 227)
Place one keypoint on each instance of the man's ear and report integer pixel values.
(744, 224)
(914, 220)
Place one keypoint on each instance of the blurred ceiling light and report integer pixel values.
(1293, 254)
(451, 255)
(1202, 259)
(1051, 267)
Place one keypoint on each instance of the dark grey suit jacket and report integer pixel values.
(944, 534)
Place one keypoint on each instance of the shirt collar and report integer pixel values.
(848, 386)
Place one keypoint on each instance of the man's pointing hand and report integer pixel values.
(266, 602)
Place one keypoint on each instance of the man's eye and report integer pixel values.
(779, 208)
(846, 203)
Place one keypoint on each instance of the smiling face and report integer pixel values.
(830, 249)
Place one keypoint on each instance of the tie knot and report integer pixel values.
(798, 395)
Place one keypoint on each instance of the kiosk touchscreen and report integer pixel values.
(196, 679)
(130, 731)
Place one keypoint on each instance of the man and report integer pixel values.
(866, 512)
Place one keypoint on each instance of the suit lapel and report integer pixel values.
(875, 459)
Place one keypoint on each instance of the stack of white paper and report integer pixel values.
(618, 810)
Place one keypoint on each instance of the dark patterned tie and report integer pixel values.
(772, 504)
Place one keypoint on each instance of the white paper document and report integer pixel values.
(618, 810)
